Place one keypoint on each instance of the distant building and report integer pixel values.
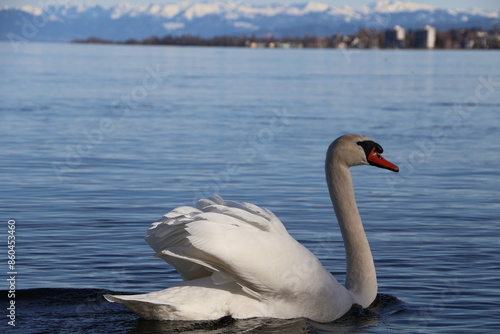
(256, 45)
(395, 37)
(425, 38)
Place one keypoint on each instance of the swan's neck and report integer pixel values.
(361, 280)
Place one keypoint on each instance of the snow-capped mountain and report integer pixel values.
(213, 18)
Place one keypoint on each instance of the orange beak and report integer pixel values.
(376, 159)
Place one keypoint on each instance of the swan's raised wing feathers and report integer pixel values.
(242, 218)
(244, 242)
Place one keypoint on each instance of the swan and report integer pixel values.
(238, 259)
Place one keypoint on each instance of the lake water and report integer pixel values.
(99, 141)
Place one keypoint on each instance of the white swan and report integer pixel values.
(238, 259)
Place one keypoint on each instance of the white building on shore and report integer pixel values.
(425, 38)
(395, 37)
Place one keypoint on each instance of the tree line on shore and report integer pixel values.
(451, 39)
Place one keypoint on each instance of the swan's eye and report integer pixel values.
(369, 145)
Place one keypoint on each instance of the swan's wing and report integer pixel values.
(170, 232)
(237, 242)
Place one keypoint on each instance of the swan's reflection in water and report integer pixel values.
(357, 318)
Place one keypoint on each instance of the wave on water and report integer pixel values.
(50, 310)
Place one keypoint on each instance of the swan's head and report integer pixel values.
(354, 150)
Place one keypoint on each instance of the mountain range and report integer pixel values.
(63, 23)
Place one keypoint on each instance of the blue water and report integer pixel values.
(94, 148)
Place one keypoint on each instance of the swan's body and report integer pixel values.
(238, 259)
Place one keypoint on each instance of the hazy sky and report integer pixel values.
(483, 4)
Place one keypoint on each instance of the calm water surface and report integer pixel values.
(97, 142)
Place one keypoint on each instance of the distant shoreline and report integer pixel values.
(452, 39)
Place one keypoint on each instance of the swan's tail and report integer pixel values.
(202, 299)
(145, 309)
